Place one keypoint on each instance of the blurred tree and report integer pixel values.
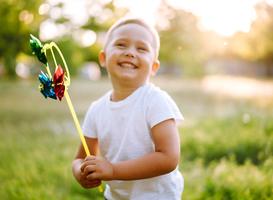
(257, 45)
(181, 43)
(91, 53)
(18, 18)
(101, 15)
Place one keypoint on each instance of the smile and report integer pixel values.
(128, 65)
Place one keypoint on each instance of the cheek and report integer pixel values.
(110, 58)
(113, 55)
(148, 60)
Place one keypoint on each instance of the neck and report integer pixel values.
(121, 92)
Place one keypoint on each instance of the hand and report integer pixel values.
(95, 168)
(86, 183)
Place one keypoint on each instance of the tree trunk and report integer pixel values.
(269, 69)
(10, 65)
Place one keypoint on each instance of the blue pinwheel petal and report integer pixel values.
(44, 93)
(52, 95)
(46, 86)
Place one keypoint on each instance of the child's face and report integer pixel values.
(130, 55)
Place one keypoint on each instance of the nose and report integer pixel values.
(130, 53)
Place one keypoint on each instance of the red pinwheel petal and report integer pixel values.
(60, 92)
(58, 81)
(59, 73)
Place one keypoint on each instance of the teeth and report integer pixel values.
(127, 65)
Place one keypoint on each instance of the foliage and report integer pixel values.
(228, 180)
(225, 158)
(36, 152)
(15, 33)
(222, 157)
(183, 45)
(222, 141)
(256, 45)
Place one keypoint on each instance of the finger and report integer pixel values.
(92, 176)
(83, 167)
(95, 182)
(88, 186)
(89, 170)
(92, 185)
(84, 181)
(90, 158)
(86, 163)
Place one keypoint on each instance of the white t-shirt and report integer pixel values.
(123, 130)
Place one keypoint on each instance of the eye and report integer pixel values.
(120, 44)
(142, 49)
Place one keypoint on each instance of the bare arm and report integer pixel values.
(162, 161)
(79, 160)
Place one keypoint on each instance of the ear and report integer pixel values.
(155, 67)
(102, 59)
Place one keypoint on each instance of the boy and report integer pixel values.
(133, 125)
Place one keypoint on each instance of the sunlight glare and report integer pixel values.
(91, 70)
(29, 18)
(141, 8)
(76, 12)
(224, 16)
(95, 10)
(23, 15)
(43, 9)
(84, 38)
(269, 2)
(56, 13)
(48, 30)
(89, 38)
(22, 70)
(104, 15)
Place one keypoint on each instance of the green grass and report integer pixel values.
(222, 157)
(38, 140)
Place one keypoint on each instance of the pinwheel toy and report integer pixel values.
(56, 86)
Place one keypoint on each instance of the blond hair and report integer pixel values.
(139, 21)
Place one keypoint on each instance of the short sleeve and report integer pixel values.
(161, 107)
(88, 127)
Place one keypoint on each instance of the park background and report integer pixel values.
(216, 63)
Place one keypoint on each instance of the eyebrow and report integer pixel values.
(138, 41)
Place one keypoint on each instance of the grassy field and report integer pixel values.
(226, 141)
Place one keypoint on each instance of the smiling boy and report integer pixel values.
(134, 126)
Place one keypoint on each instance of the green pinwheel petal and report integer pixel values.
(37, 49)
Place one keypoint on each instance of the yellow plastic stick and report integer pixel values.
(76, 122)
(78, 127)
(50, 46)
(67, 83)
